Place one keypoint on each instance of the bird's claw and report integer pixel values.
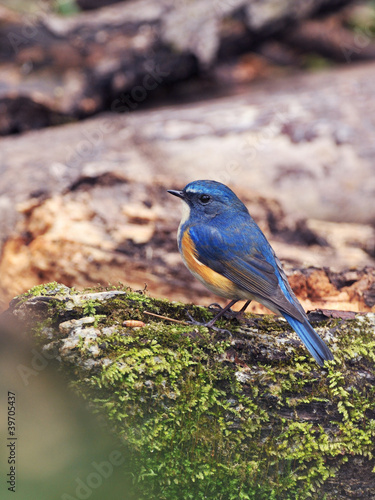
(215, 307)
(207, 324)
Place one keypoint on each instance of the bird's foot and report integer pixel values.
(238, 315)
(217, 308)
(207, 324)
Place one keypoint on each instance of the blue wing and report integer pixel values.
(243, 255)
(247, 259)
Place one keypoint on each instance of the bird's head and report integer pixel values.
(207, 199)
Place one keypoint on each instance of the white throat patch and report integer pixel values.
(185, 216)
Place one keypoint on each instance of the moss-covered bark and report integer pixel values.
(212, 415)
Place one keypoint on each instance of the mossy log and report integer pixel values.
(243, 412)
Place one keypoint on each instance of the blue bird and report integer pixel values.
(224, 248)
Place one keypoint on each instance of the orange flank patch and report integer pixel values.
(211, 279)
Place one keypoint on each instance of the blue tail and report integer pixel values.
(311, 339)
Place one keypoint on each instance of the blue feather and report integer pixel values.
(311, 339)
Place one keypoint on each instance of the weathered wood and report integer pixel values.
(57, 68)
(329, 38)
(87, 202)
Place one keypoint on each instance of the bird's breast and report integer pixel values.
(214, 281)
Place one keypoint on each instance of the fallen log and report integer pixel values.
(61, 68)
(244, 407)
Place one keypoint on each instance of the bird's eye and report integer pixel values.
(204, 198)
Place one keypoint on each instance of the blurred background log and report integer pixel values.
(86, 202)
(55, 68)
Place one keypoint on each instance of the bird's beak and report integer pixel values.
(179, 194)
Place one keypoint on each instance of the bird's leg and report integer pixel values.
(233, 314)
(243, 308)
(222, 311)
(210, 323)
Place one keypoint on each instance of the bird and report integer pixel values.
(224, 248)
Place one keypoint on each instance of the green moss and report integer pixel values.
(41, 290)
(316, 62)
(362, 22)
(203, 423)
(66, 7)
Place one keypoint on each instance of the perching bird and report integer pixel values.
(224, 248)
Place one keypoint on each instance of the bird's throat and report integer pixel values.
(184, 218)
